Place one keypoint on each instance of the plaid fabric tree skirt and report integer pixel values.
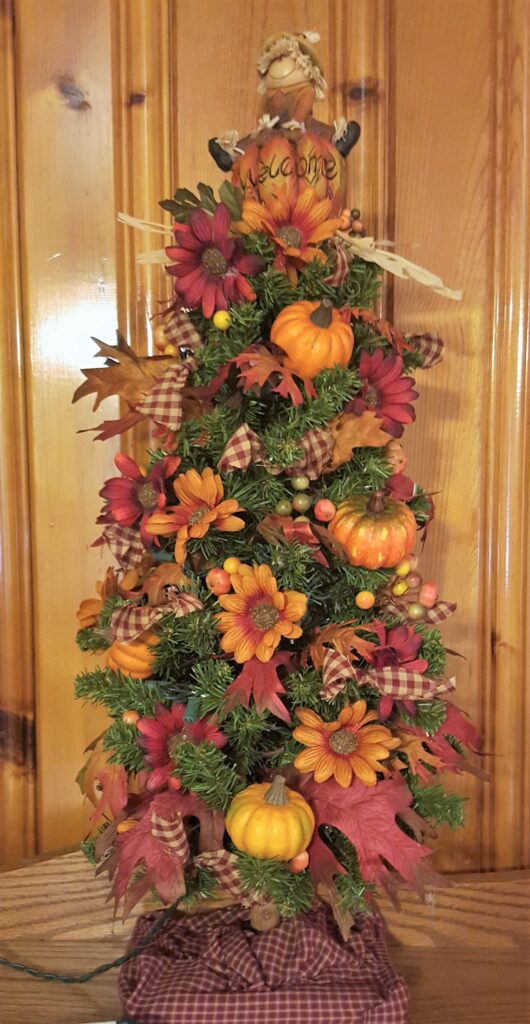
(212, 968)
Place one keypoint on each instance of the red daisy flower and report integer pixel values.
(397, 646)
(162, 735)
(210, 266)
(136, 494)
(385, 390)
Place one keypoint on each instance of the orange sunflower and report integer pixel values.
(295, 226)
(348, 747)
(201, 506)
(258, 615)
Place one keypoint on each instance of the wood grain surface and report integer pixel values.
(465, 954)
(108, 106)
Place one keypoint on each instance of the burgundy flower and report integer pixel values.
(136, 495)
(398, 646)
(385, 390)
(210, 266)
(162, 734)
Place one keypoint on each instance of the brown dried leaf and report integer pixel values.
(350, 431)
(168, 574)
(125, 374)
(344, 638)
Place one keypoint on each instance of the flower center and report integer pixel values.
(343, 741)
(214, 262)
(291, 236)
(147, 496)
(174, 744)
(264, 616)
(197, 515)
(370, 396)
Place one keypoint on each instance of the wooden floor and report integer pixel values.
(465, 954)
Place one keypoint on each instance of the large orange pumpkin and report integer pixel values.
(134, 659)
(376, 531)
(277, 164)
(314, 336)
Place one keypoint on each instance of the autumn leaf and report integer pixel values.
(417, 756)
(257, 365)
(284, 530)
(350, 431)
(343, 637)
(168, 574)
(259, 680)
(383, 328)
(103, 784)
(125, 374)
(366, 815)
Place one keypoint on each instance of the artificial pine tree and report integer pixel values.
(268, 653)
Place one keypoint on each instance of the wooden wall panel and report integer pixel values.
(17, 748)
(68, 256)
(115, 101)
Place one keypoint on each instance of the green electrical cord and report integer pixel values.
(69, 979)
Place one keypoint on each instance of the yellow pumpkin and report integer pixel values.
(134, 659)
(314, 336)
(376, 531)
(270, 821)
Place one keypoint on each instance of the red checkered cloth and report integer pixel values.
(429, 348)
(317, 445)
(342, 264)
(401, 683)
(130, 620)
(180, 331)
(163, 404)
(336, 669)
(441, 610)
(245, 447)
(125, 544)
(222, 865)
(173, 834)
(212, 968)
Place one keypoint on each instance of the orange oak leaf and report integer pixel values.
(168, 574)
(343, 637)
(383, 328)
(418, 757)
(261, 681)
(103, 784)
(125, 374)
(257, 365)
(350, 431)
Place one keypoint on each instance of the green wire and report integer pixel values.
(69, 979)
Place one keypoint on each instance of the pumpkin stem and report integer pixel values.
(276, 794)
(377, 502)
(322, 314)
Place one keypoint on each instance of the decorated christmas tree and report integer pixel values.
(267, 650)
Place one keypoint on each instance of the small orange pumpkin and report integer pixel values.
(314, 336)
(376, 531)
(134, 659)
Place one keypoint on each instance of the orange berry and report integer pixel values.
(365, 599)
(298, 863)
(130, 717)
(324, 510)
(218, 581)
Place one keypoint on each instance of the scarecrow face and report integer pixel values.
(282, 72)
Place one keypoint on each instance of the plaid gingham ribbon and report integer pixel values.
(340, 270)
(172, 834)
(131, 620)
(401, 683)
(125, 544)
(336, 669)
(429, 348)
(179, 330)
(163, 404)
(245, 447)
(442, 610)
(222, 865)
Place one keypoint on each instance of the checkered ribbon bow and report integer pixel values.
(392, 681)
(222, 865)
(429, 348)
(441, 610)
(129, 621)
(173, 835)
(340, 270)
(245, 447)
(125, 544)
(163, 404)
(180, 331)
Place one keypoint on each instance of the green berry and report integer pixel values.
(300, 483)
(301, 502)
(283, 508)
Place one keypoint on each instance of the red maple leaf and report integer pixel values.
(257, 365)
(457, 726)
(366, 815)
(259, 680)
(283, 530)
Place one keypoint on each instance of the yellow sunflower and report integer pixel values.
(295, 226)
(348, 747)
(201, 506)
(258, 615)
